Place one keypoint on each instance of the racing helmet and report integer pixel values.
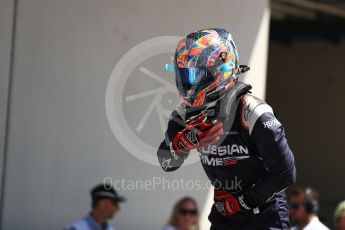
(206, 65)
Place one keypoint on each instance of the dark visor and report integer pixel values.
(192, 80)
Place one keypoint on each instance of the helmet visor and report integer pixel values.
(190, 81)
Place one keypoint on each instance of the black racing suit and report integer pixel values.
(253, 151)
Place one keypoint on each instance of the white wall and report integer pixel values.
(60, 142)
(6, 23)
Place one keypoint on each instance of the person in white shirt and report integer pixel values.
(339, 216)
(303, 207)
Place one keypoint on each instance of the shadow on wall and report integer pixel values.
(305, 86)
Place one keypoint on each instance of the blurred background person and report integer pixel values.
(339, 216)
(304, 205)
(105, 204)
(185, 215)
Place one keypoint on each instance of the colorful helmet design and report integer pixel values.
(206, 65)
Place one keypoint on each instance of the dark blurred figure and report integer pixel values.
(185, 215)
(304, 205)
(339, 216)
(105, 204)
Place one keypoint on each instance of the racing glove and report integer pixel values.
(198, 133)
(228, 204)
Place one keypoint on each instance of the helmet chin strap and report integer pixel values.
(211, 104)
(203, 111)
(205, 108)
